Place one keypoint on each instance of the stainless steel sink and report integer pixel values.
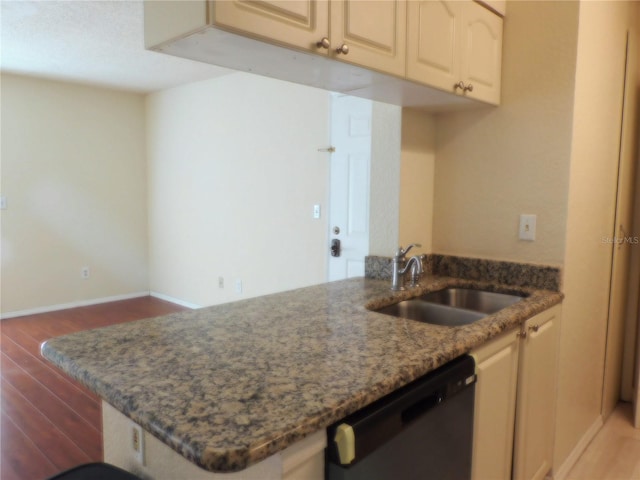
(476, 300)
(427, 312)
(451, 307)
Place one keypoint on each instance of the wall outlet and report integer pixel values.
(238, 286)
(527, 229)
(3, 202)
(316, 211)
(220, 282)
(85, 272)
(137, 443)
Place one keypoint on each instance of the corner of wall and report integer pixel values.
(417, 175)
(385, 179)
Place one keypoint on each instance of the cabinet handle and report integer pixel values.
(343, 49)
(534, 328)
(468, 88)
(324, 43)
(522, 334)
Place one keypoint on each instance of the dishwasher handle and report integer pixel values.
(419, 408)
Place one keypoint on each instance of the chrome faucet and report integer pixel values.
(400, 269)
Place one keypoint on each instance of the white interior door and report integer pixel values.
(349, 197)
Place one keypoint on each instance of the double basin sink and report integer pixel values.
(451, 307)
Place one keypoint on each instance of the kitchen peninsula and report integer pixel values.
(231, 385)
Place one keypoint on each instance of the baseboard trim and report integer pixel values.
(580, 447)
(78, 303)
(177, 301)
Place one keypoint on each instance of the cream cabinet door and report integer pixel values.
(481, 57)
(449, 42)
(433, 42)
(296, 23)
(537, 372)
(495, 403)
(370, 33)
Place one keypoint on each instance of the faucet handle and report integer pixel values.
(402, 253)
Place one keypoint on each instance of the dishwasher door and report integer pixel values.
(422, 431)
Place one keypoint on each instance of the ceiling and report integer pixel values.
(89, 41)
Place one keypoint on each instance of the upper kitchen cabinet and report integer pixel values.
(373, 33)
(301, 24)
(455, 46)
(354, 47)
(366, 33)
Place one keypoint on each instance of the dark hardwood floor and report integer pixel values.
(48, 422)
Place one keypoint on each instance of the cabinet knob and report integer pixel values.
(323, 43)
(522, 333)
(343, 49)
(534, 328)
(465, 88)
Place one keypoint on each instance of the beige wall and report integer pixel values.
(495, 163)
(234, 172)
(417, 179)
(591, 214)
(73, 173)
(385, 178)
(631, 329)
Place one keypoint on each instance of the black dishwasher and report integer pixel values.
(421, 431)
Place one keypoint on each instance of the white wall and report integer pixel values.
(73, 173)
(234, 171)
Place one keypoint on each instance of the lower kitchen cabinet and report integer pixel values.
(495, 406)
(536, 403)
(515, 401)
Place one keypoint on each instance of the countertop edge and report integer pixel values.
(217, 460)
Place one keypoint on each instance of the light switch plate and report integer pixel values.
(527, 229)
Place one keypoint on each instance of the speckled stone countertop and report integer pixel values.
(229, 385)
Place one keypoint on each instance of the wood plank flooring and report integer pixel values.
(48, 422)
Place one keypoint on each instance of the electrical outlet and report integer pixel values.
(85, 272)
(527, 227)
(316, 211)
(137, 443)
(238, 286)
(3, 202)
(220, 282)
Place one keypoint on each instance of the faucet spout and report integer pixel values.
(400, 269)
(417, 269)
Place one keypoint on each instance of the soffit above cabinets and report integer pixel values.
(247, 55)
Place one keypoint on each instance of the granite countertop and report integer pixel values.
(229, 385)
